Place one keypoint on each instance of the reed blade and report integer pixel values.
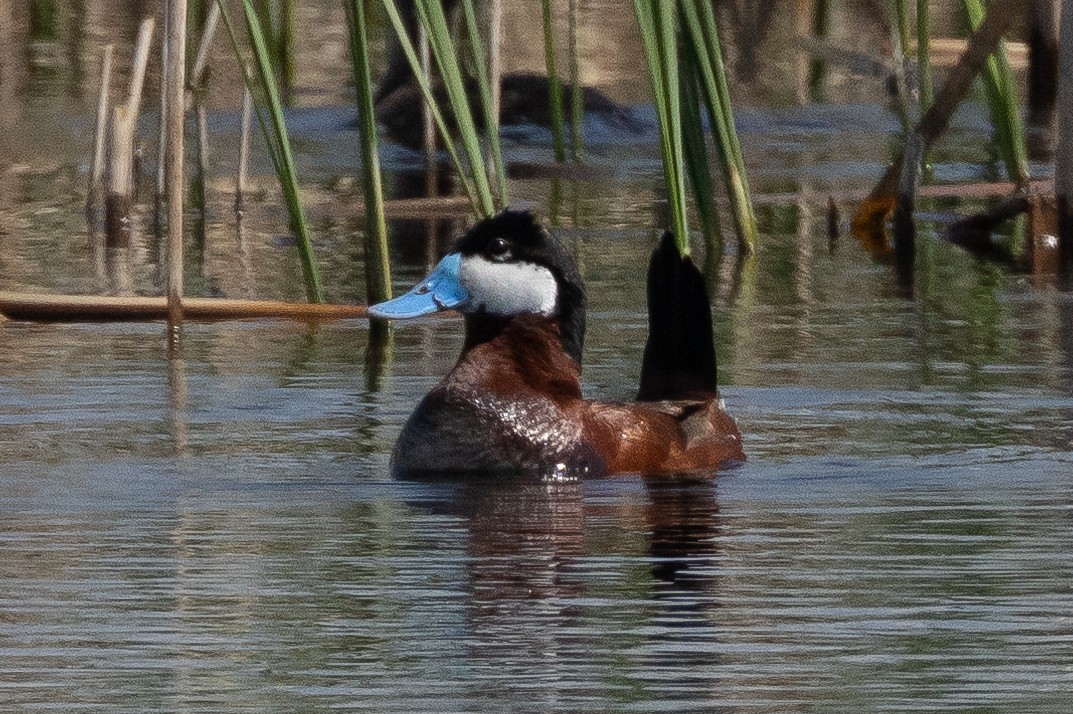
(703, 35)
(658, 25)
(269, 111)
(901, 21)
(821, 28)
(577, 99)
(659, 35)
(431, 15)
(377, 257)
(491, 115)
(698, 165)
(1002, 99)
(555, 90)
(410, 52)
(927, 84)
(469, 162)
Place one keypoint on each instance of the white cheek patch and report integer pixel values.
(507, 288)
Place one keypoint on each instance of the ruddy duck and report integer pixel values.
(525, 98)
(513, 404)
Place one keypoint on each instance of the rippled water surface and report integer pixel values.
(220, 532)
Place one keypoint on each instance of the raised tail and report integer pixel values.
(679, 361)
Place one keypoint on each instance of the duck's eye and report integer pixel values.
(498, 247)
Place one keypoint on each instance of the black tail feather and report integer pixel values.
(679, 361)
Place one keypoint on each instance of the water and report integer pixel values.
(221, 532)
(224, 535)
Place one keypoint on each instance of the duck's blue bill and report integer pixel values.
(441, 290)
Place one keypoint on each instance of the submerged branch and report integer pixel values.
(870, 217)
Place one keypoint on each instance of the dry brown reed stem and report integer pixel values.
(495, 57)
(176, 104)
(161, 146)
(177, 399)
(96, 171)
(495, 64)
(905, 206)
(202, 124)
(241, 189)
(428, 126)
(242, 179)
(141, 62)
(195, 96)
(1063, 174)
(868, 222)
(197, 73)
(201, 59)
(119, 177)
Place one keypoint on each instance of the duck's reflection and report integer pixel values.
(680, 654)
(524, 538)
(574, 575)
(683, 519)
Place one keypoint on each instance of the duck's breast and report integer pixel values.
(456, 430)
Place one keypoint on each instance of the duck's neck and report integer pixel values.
(483, 327)
(529, 347)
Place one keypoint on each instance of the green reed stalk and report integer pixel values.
(269, 111)
(901, 20)
(555, 90)
(199, 13)
(899, 40)
(377, 258)
(1002, 98)
(475, 181)
(431, 15)
(698, 166)
(703, 34)
(407, 45)
(821, 28)
(658, 21)
(285, 47)
(491, 115)
(927, 84)
(447, 59)
(278, 25)
(268, 25)
(577, 99)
